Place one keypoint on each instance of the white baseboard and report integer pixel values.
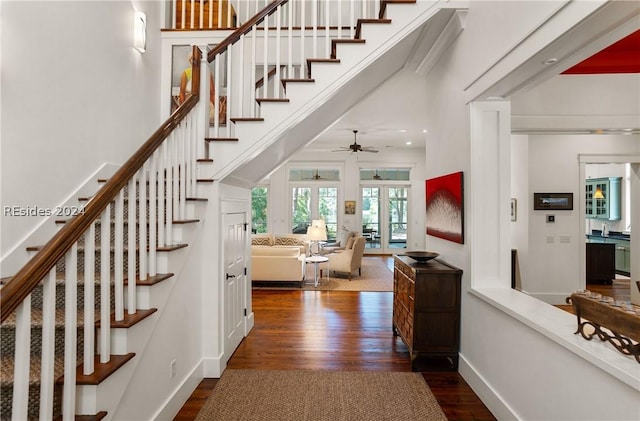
(172, 406)
(492, 400)
(213, 367)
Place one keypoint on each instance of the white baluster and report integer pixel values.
(327, 27)
(183, 23)
(131, 246)
(352, 19)
(254, 65)
(314, 23)
(161, 192)
(142, 227)
(182, 164)
(89, 298)
(201, 14)
(265, 58)
(230, 82)
(47, 381)
(339, 19)
(216, 98)
(303, 60)
(168, 195)
(219, 13)
(22, 352)
(290, 39)
(241, 77)
(276, 80)
(118, 254)
(211, 14)
(193, 15)
(105, 286)
(153, 221)
(175, 165)
(70, 333)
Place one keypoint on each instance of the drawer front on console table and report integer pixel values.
(426, 308)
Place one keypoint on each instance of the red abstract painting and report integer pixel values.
(445, 207)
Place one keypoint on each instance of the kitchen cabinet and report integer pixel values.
(607, 208)
(601, 262)
(426, 309)
(623, 256)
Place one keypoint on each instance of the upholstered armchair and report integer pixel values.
(347, 260)
(341, 243)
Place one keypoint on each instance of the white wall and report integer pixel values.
(510, 367)
(549, 266)
(280, 208)
(75, 94)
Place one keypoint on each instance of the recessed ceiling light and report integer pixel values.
(407, 142)
(424, 131)
(552, 60)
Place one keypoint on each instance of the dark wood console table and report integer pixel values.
(426, 309)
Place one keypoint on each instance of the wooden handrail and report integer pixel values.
(244, 29)
(28, 277)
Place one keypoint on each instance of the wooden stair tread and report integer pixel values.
(129, 319)
(274, 100)
(247, 119)
(221, 139)
(97, 417)
(205, 160)
(384, 3)
(101, 370)
(172, 247)
(185, 221)
(151, 280)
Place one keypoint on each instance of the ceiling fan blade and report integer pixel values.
(369, 150)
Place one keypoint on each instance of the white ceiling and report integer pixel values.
(392, 115)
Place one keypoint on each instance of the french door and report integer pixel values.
(385, 214)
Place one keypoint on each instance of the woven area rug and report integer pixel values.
(376, 276)
(277, 395)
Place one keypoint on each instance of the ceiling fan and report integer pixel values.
(355, 147)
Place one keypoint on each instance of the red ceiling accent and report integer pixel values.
(621, 57)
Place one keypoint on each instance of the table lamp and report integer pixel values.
(316, 232)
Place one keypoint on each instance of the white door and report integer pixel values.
(234, 280)
(385, 214)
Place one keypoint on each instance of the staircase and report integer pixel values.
(84, 356)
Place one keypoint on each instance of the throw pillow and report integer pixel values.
(261, 241)
(350, 243)
(288, 241)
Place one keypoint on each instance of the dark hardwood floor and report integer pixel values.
(334, 330)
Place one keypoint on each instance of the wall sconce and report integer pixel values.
(140, 31)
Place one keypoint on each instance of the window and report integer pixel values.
(328, 209)
(314, 174)
(308, 203)
(259, 201)
(386, 174)
(300, 209)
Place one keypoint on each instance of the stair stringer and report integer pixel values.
(313, 107)
(110, 394)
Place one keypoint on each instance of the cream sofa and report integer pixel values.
(278, 257)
